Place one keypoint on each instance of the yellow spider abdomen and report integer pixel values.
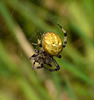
(52, 43)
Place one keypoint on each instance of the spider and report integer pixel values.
(51, 46)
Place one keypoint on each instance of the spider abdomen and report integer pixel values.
(52, 43)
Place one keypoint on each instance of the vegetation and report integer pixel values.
(20, 21)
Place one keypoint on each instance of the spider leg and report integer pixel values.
(39, 42)
(59, 56)
(42, 66)
(47, 69)
(55, 63)
(34, 43)
(49, 65)
(57, 66)
(38, 67)
(36, 50)
(32, 57)
(65, 36)
(33, 65)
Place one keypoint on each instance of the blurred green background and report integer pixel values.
(20, 21)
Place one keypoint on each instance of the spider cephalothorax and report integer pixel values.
(52, 46)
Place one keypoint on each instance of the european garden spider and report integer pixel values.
(51, 46)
